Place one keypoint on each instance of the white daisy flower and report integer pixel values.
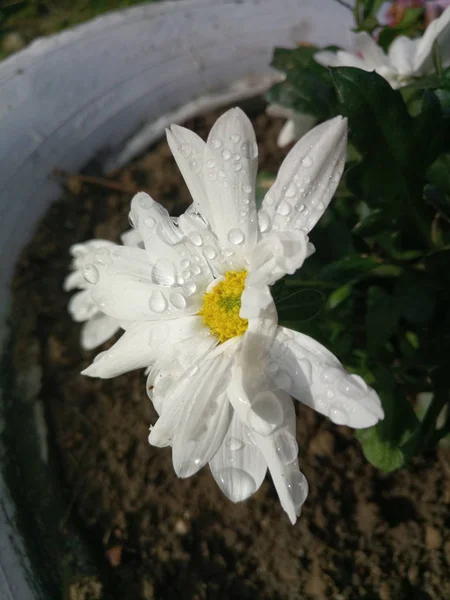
(296, 124)
(406, 59)
(222, 370)
(97, 327)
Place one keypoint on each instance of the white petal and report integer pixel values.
(165, 244)
(270, 416)
(188, 150)
(73, 281)
(205, 421)
(313, 375)
(205, 380)
(438, 30)
(308, 178)
(277, 254)
(141, 345)
(81, 306)
(230, 165)
(193, 225)
(401, 55)
(130, 289)
(372, 53)
(238, 466)
(341, 58)
(287, 134)
(97, 330)
(132, 237)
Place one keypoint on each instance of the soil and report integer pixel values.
(362, 534)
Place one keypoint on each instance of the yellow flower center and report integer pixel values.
(220, 310)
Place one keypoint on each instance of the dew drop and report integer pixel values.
(103, 256)
(353, 387)
(338, 414)
(235, 138)
(149, 222)
(331, 375)
(234, 444)
(286, 447)
(196, 165)
(298, 486)
(184, 263)
(247, 189)
(221, 174)
(196, 238)
(249, 150)
(164, 272)
(209, 252)
(307, 162)
(196, 270)
(212, 175)
(185, 149)
(235, 236)
(91, 274)
(301, 208)
(145, 202)
(290, 191)
(283, 208)
(186, 274)
(268, 199)
(265, 414)
(216, 143)
(236, 484)
(226, 155)
(236, 157)
(180, 280)
(157, 302)
(190, 288)
(210, 163)
(177, 300)
(237, 167)
(263, 220)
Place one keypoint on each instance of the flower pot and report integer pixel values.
(106, 90)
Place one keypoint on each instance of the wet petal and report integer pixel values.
(307, 179)
(97, 330)
(304, 368)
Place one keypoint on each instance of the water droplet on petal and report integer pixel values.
(196, 238)
(286, 447)
(185, 149)
(283, 208)
(331, 375)
(210, 163)
(196, 270)
(353, 387)
(263, 220)
(298, 486)
(307, 162)
(235, 483)
(196, 165)
(177, 300)
(249, 150)
(247, 189)
(149, 222)
(221, 174)
(237, 167)
(157, 302)
(190, 288)
(103, 256)
(301, 208)
(235, 138)
(216, 143)
(290, 191)
(209, 252)
(265, 413)
(234, 444)
(91, 274)
(186, 274)
(226, 155)
(164, 272)
(235, 236)
(184, 263)
(145, 202)
(338, 414)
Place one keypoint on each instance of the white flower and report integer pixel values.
(406, 58)
(97, 327)
(198, 296)
(296, 125)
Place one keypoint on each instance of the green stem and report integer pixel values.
(427, 432)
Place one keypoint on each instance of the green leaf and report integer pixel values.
(349, 269)
(439, 173)
(376, 222)
(285, 59)
(438, 200)
(389, 444)
(382, 318)
(339, 296)
(301, 305)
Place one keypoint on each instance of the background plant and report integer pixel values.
(379, 283)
